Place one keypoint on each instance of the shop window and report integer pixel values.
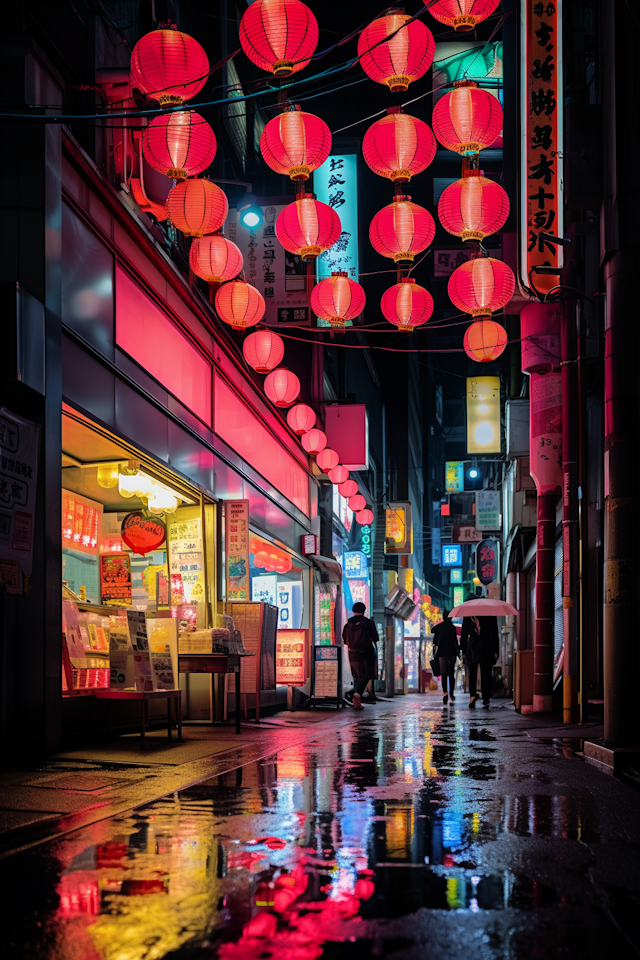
(276, 578)
(243, 430)
(153, 340)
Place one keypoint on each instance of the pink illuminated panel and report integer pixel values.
(347, 429)
(244, 432)
(153, 340)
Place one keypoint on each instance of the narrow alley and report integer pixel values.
(412, 830)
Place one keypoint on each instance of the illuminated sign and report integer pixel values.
(336, 184)
(355, 565)
(487, 561)
(263, 589)
(458, 596)
(542, 147)
(366, 539)
(454, 476)
(488, 509)
(398, 531)
(291, 657)
(81, 520)
(285, 604)
(237, 549)
(483, 415)
(451, 555)
(455, 575)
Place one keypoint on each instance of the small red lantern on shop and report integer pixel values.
(169, 66)
(468, 119)
(398, 146)
(215, 258)
(357, 503)
(462, 15)
(197, 207)
(407, 305)
(402, 230)
(404, 57)
(348, 489)
(279, 36)
(282, 387)
(239, 304)
(327, 459)
(180, 145)
(364, 517)
(307, 227)
(337, 299)
(314, 441)
(301, 419)
(263, 350)
(485, 340)
(481, 286)
(295, 143)
(474, 207)
(338, 475)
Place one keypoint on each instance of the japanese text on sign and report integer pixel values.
(542, 126)
(336, 184)
(237, 549)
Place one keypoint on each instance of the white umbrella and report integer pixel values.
(483, 607)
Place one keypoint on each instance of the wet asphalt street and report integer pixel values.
(421, 831)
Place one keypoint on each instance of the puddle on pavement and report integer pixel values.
(291, 855)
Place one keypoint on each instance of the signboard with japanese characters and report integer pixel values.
(291, 657)
(487, 561)
(309, 544)
(488, 509)
(454, 476)
(278, 275)
(466, 534)
(237, 549)
(336, 184)
(541, 163)
(451, 555)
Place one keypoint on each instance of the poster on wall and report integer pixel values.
(115, 579)
(19, 442)
(186, 561)
(291, 647)
(263, 589)
(237, 549)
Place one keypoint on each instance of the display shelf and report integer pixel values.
(102, 610)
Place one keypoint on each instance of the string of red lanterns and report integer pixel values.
(398, 146)
(462, 15)
(295, 143)
(404, 57)
(402, 230)
(263, 350)
(215, 259)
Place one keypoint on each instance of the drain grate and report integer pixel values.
(79, 782)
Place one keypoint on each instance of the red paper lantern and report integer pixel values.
(462, 14)
(179, 145)
(295, 143)
(357, 503)
(327, 459)
(474, 207)
(481, 286)
(402, 230)
(314, 441)
(279, 36)
(197, 207)
(364, 517)
(263, 350)
(169, 66)
(337, 299)
(240, 304)
(398, 146)
(339, 474)
(215, 258)
(468, 119)
(407, 305)
(485, 340)
(307, 227)
(403, 58)
(301, 419)
(348, 489)
(282, 387)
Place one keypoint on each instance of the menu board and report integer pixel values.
(115, 579)
(325, 597)
(237, 549)
(186, 559)
(291, 658)
(326, 672)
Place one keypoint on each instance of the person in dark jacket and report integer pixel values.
(446, 648)
(361, 636)
(480, 648)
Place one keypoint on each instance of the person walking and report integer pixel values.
(447, 648)
(480, 648)
(361, 636)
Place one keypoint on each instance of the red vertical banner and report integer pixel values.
(541, 161)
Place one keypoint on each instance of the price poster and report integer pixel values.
(237, 549)
(186, 561)
(326, 672)
(115, 579)
(291, 657)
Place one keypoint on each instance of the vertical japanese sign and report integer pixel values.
(336, 184)
(541, 162)
(487, 561)
(488, 509)
(454, 476)
(19, 442)
(237, 549)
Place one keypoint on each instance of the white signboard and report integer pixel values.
(488, 510)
